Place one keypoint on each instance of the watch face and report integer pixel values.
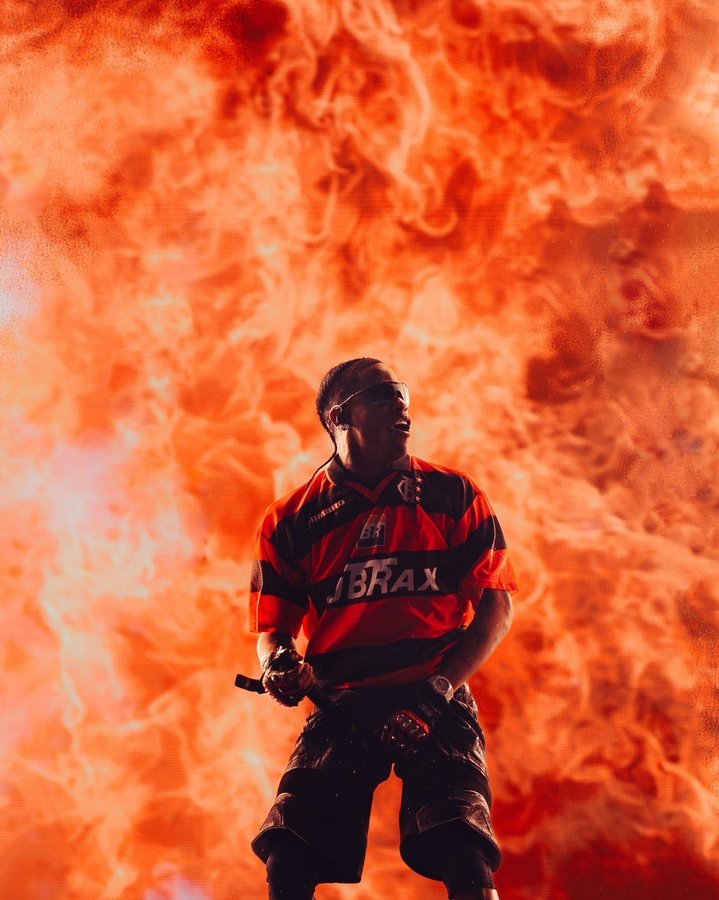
(441, 685)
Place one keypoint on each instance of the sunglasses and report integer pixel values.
(381, 394)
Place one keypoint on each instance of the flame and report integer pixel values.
(205, 205)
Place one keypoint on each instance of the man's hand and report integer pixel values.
(407, 729)
(286, 678)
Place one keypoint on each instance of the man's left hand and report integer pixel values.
(409, 727)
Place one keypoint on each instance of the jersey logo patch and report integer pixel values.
(380, 578)
(327, 511)
(410, 488)
(373, 533)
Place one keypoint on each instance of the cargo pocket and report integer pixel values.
(468, 715)
(460, 737)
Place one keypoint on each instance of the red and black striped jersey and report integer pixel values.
(383, 579)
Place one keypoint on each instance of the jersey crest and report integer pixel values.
(410, 488)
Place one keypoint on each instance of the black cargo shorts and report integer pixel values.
(325, 795)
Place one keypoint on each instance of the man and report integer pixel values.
(399, 573)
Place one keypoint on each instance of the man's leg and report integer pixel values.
(316, 830)
(446, 824)
(289, 873)
(463, 865)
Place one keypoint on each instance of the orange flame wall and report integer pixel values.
(205, 205)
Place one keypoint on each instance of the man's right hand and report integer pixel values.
(287, 686)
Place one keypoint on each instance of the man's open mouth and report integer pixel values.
(402, 426)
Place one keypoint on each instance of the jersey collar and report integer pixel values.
(337, 474)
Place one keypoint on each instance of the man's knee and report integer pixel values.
(289, 869)
(462, 861)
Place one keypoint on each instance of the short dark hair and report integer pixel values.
(334, 384)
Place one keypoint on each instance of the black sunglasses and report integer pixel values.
(380, 394)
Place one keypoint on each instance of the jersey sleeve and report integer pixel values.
(479, 548)
(278, 595)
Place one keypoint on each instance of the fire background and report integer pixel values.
(207, 204)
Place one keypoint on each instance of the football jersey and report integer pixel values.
(382, 579)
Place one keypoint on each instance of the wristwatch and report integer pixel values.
(442, 686)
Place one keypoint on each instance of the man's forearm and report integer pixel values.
(267, 643)
(490, 624)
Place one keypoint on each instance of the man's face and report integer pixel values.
(377, 430)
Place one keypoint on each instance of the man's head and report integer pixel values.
(365, 421)
(337, 384)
